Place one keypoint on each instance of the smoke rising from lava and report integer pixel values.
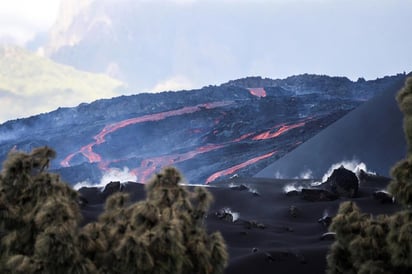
(111, 175)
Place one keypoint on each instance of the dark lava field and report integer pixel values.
(209, 134)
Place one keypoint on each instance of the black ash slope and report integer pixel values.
(265, 237)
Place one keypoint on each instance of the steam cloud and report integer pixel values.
(114, 174)
(307, 174)
(354, 166)
(292, 187)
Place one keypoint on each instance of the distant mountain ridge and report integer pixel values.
(312, 83)
(29, 83)
(209, 134)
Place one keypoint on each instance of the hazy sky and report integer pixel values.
(352, 38)
(21, 19)
(339, 36)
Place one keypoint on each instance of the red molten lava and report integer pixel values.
(233, 169)
(148, 167)
(258, 92)
(93, 157)
(283, 128)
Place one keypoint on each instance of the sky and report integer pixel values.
(268, 38)
(20, 20)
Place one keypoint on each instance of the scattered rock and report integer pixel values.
(227, 215)
(383, 197)
(365, 177)
(261, 226)
(255, 192)
(325, 220)
(293, 211)
(328, 236)
(234, 176)
(343, 182)
(269, 257)
(254, 250)
(240, 187)
(292, 193)
(111, 188)
(318, 195)
(254, 224)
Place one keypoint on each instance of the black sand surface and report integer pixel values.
(372, 134)
(274, 232)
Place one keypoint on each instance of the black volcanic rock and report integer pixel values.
(240, 187)
(365, 177)
(328, 236)
(343, 182)
(112, 188)
(383, 197)
(325, 221)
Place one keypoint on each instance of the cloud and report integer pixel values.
(20, 20)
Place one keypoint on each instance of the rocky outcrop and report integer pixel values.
(383, 197)
(343, 182)
(112, 188)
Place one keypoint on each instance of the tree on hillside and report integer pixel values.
(39, 218)
(378, 244)
(40, 233)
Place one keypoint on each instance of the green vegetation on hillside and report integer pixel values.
(378, 244)
(26, 77)
(40, 232)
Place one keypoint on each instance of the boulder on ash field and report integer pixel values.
(343, 182)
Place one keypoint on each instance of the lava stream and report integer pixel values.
(258, 92)
(283, 128)
(93, 157)
(149, 166)
(233, 169)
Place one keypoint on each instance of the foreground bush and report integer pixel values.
(378, 244)
(40, 233)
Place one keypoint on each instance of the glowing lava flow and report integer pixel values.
(283, 128)
(233, 169)
(149, 166)
(258, 92)
(93, 157)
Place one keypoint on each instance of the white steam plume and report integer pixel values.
(112, 175)
(307, 174)
(278, 175)
(292, 187)
(235, 215)
(354, 166)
